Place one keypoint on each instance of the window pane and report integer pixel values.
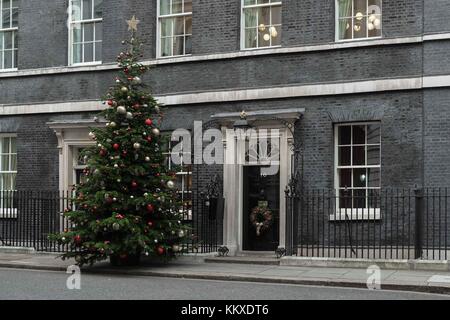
(360, 8)
(8, 38)
(345, 8)
(250, 38)
(344, 135)
(250, 18)
(249, 2)
(345, 178)
(77, 53)
(88, 29)
(360, 28)
(5, 145)
(359, 134)
(345, 28)
(188, 48)
(98, 7)
(345, 200)
(15, 18)
(77, 35)
(6, 3)
(166, 47)
(166, 27)
(164, 7)
(5, 163)
(98, 31)
(8, 55)
(188, 22)
(88, 52)
(187, 5)
(177, 6)
(13, 162)
(359, 156)
(373, 155)
(6, 19)
(87, 9)
(98, 51)
(76, 10)
(178, 27)
(359, 199)
(264, 16)
(374, 178)
(13, 145)
(359, 178)
(374, 26)
(263, 38)
(344, 156)
(373, 134)
(276, 35)
(178, 46)
(276, 15)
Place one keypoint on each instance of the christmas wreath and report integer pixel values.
(261, 218)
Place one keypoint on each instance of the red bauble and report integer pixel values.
(124, 153)
(148, 122)
(149, 139)
(116, 146)
(109, 200)
(150, 208)
(160, 251)
(150, 224)
(102, 152)
(134, 184)
(77, 239)
(110, 102)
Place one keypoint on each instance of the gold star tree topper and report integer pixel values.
(132, 24)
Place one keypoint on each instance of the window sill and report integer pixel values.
(356, 214)
(9, 70)
(358, 39)
(260, 48)
(173, 57)
(85, 64)
(8, 213)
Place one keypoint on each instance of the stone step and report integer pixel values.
(264, 260)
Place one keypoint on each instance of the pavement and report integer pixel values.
(196, 268)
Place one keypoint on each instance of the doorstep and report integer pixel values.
(253, 259)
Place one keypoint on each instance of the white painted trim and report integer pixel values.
(323, 89)
(232, 55)
(356, 214)
(8, 213)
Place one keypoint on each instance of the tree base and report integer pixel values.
(125, 261)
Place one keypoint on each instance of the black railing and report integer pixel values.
(28, 217)
(377, 224)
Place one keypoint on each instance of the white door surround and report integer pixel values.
(234, 152)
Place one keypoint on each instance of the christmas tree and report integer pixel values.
(127, 204)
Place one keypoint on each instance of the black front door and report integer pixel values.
(261, 210)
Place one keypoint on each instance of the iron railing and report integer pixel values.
(381, 224)
(28, 217)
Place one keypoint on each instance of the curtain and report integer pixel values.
(345, 10)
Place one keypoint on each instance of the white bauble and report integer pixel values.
(129, 115)
(170, 184)
(121, 110)
(137, 145)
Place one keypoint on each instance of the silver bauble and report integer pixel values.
(116, 226)
(156, 131)
(124, 89)
(121, 110)
(170, 184)
(137, 145)
(137, 80)
(112, 124)
(91, 135)
(175, 248)
(129, 115)
(181, 233)
(147, 159)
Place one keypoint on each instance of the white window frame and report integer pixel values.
(14, 30)
(183, 175)
(336, 22)
(158, 30)
(70, 40)
(8, 213)
(75, 164)
(243, 7)
(353, 213)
